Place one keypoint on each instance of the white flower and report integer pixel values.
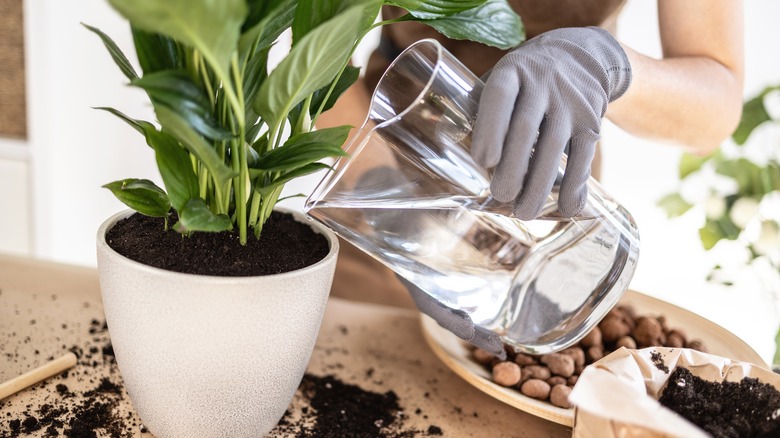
(743, 210)
(714, 207)
(770, 205)
(768, 241)
(772, 104)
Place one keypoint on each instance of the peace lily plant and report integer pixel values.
(216, 355)
(221, 145)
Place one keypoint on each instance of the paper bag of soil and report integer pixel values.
(618, 395)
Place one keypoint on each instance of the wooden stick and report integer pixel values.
(39, 374)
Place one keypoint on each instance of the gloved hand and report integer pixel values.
(456, 321)
(557, 84)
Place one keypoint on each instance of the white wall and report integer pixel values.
(76, 149)
(15, 214)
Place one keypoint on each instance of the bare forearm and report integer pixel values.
(693, 100)
(693, 95)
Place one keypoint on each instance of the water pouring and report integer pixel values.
(410, 195)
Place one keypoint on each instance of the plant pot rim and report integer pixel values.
(333, 243)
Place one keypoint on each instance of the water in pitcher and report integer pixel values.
(536, 283)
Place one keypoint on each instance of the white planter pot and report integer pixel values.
(205, 356)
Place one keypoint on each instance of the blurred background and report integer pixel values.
(56, 152)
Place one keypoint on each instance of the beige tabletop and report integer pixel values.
(47, 309)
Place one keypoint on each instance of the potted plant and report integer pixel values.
(219, 347)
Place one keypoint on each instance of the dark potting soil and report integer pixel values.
(747, 408)
(284, 245)
(658, 361)
(337, 409)
(91, 407)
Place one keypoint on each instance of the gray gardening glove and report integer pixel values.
(557, 84)
(456, 321)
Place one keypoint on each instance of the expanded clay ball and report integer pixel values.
(482, 356)
(506, 373)
(696, 345)
(613, 328)
(592, 338)
(524, 359)
(674, 339)
(576, 353)
(535, 388)
(559, 364)
(594, 353)
(626, 341)
(556, 380)
(648, 332)
(539, 372)
(559, 396)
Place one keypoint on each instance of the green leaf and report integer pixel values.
(261, 144)
(302, 149)
(753, 115)
(292, 157)
(710, 234)
(776, 360)
(141, 126)
(141, 195)
(690, 163)
(157, 52)
(674, 205)
(173, 161)
(284, 178)
(746, 173)
(253, 131)
(347, 78)
(262, 34)
(313, 63)
(771, 177)
(715, 230)
(258, 9)
(494, 24)
(176, 90)
(311, 13)
(119, 58)
(196, 216)
(204, 152)
(211, 27)
(729, 229)
(431, 9)
(255, 72)
(175, 168)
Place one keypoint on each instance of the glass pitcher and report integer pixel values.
(410, 195)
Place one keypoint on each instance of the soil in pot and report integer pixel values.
(285, 245)
(748, 408)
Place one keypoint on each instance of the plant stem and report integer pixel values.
(207, 80)
(301, 125)
(239, 155)
(254, 209)
(267, 208)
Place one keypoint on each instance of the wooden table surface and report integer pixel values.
(47, 309)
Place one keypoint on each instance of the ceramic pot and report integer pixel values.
(206, 356)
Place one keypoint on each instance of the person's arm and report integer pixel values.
(693, 95)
